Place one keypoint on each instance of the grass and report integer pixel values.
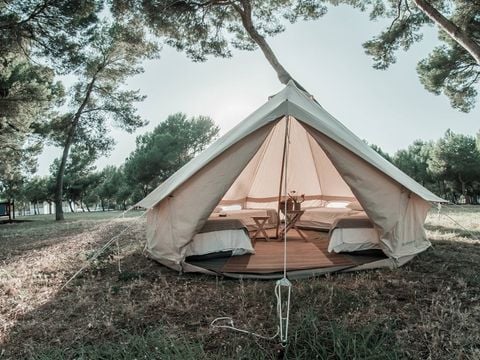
(428, 309)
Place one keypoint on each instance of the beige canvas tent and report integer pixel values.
(355, 200)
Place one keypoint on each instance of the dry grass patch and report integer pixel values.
(426, 309)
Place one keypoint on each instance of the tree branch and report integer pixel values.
(399, 13)
(450, 28)
(37, 11)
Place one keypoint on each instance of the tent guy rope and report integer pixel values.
(283, 287)
(439, 208)
(112, 240)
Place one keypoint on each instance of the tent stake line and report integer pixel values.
(105, 247)
(283, 285)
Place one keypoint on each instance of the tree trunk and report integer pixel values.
(450, 28)
(246, 15)
(71, 207)
(86, 205)
(464, 188)
(102, 204)
(66, 150)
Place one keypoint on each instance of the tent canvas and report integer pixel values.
(325, 161)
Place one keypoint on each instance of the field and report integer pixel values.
(428, 309)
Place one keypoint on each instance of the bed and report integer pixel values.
(220, 237)
(324, 217)
(353, 233)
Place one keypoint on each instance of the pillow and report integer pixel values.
(231, 207)
(337, 204)
(355, 205)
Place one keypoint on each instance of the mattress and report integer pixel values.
(352, 233)
(324, 217)
(234, 242)
(245, 215)
(353, 239)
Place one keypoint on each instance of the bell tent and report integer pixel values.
(289, 164)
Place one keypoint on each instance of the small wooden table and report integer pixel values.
(291, 218)
(260, 221)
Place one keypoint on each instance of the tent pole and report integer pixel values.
(281, 176)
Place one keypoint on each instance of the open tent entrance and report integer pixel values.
(243, 169)
(308, 171)
(291, 161)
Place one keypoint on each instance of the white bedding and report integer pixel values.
(353, 239)
(324, 216)
(236, 241)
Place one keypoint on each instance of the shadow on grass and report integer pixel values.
(42, 231)
(153, 312)
(470, 234)
(148, 310)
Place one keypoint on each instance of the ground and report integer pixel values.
(428, 309)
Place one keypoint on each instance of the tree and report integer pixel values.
(27, 92)
(212, 27)
(36, 191)
(456, 159)
(47, 29)
(168, 147)
(414, 162)
(453, 67)
(110, 56)
(111, 182)
(79, 166)
(32, 32)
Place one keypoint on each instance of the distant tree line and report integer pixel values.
(158, 155)
(449, 167)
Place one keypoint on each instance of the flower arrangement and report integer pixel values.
(294, 200)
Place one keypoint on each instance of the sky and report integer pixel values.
(388, 108)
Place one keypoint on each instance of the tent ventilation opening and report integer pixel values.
(283, 287)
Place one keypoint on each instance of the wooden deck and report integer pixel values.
(301, 255)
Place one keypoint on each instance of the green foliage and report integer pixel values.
(98, 98)
(113, 188)
(48, 29)
(449, 167)
(36, 189)
(449, 69)
(80, 182)
(203, 28)
(27, 92)
(414, 161)
(456, 159)
(168, 147)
